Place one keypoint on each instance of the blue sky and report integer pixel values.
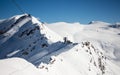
(50, 11)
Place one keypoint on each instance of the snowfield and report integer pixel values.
(17, 66)
(29, 47)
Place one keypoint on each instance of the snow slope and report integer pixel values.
(24, 36)
(80, 60)
(17, 66)
(101, 34)
(91, 49)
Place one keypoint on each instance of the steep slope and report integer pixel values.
(24, 36)
(82, 59)
(94, 49)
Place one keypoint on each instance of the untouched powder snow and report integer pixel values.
(58, 48)
(17, 66)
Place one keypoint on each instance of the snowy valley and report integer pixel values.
(30, 47)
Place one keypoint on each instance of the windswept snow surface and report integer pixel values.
(91, 49)
(104, 36)
(17, 66)
(101, 34)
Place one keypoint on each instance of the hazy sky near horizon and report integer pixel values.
(50, 11)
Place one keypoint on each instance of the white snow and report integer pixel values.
(17, 66)
(13, 53)
(95, 51)
(14, 30)
(99, 33)
(47, 31)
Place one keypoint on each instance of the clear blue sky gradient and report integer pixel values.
(50, 11)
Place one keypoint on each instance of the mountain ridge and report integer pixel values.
(77, 48)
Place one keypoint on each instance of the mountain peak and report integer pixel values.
(26, 29)
(51, 50)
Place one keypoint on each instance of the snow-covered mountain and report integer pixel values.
(24, 36)
(58, 48)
